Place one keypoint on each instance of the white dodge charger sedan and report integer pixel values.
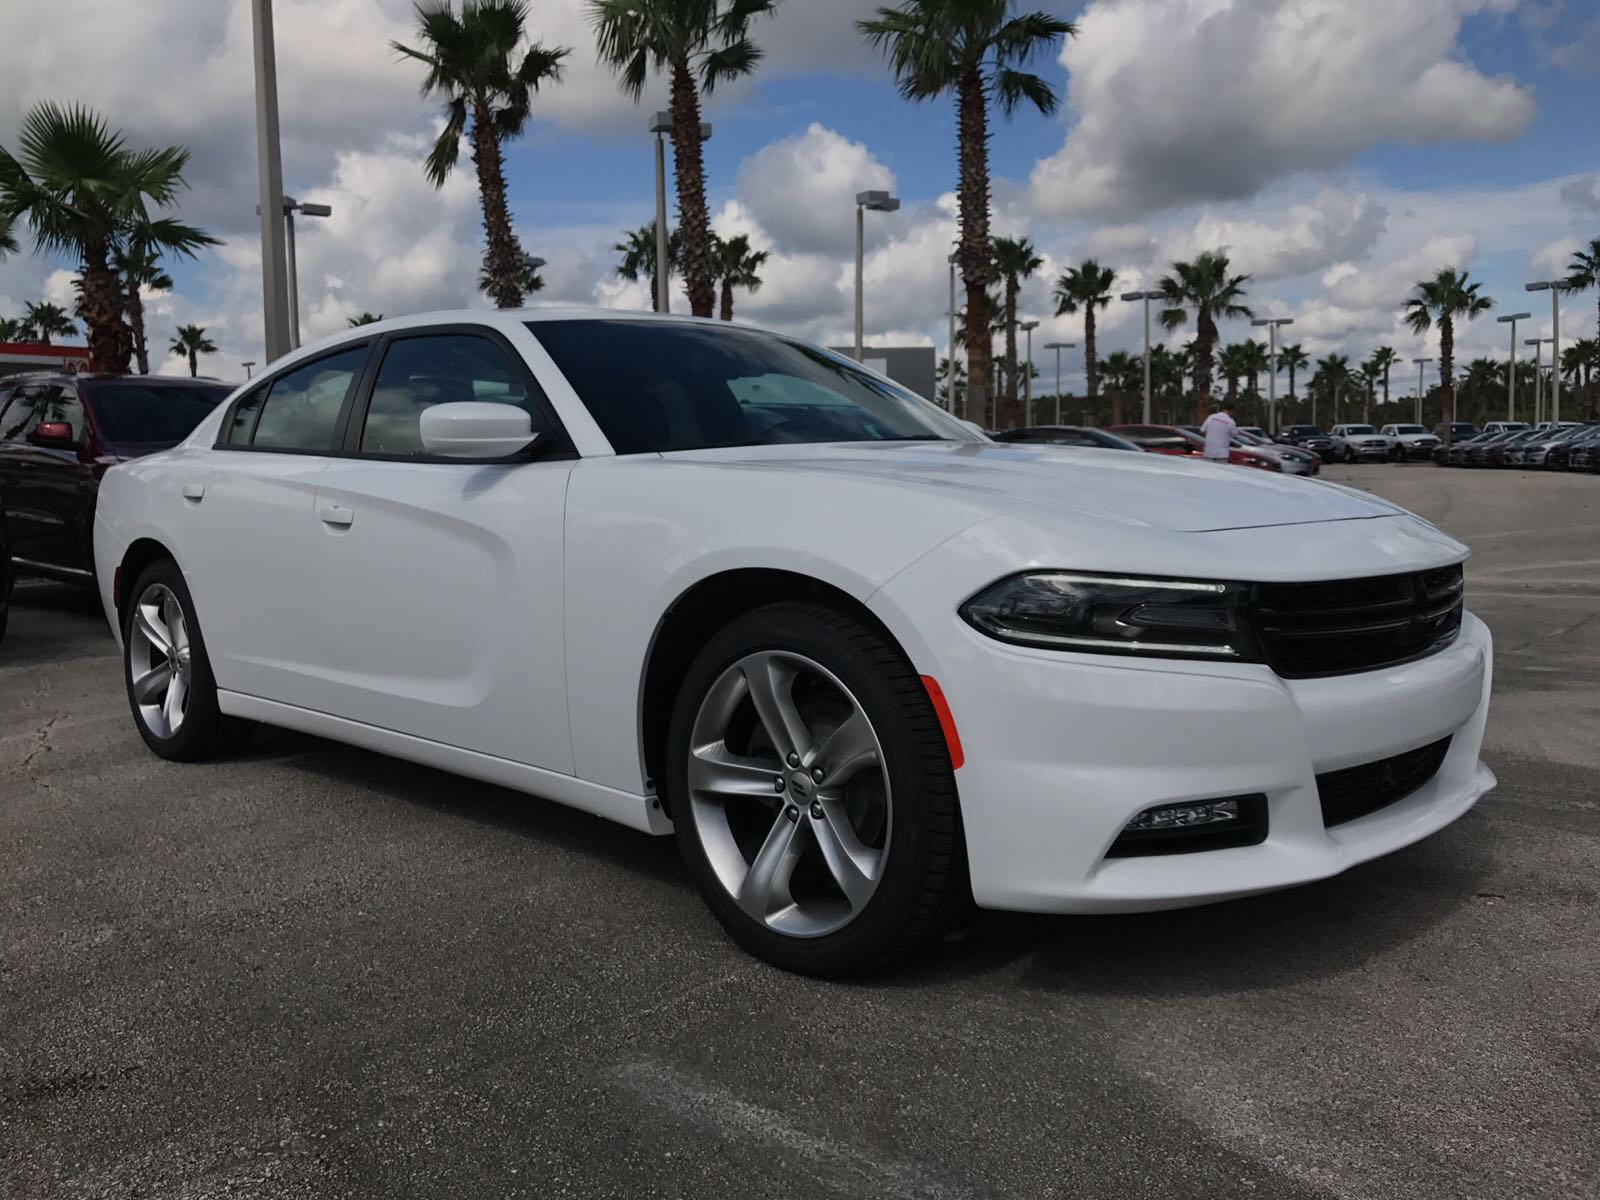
(863, 663)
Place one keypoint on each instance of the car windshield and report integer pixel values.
(1359, 429)
(667, 385)
(151, 413)
(1305, 431)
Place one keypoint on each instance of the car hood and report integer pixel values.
(1146, 490)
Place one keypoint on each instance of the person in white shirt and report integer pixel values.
(1218, 430)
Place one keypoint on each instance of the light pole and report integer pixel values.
(877, 202)
(1058, 347)
(1146, 297)
(1538, 377)
(1555, 287)
(1028, 327)
(661, 125)
(1272, 324)
(953, 260)
(1511, 370)
(1421, 389)
(247, 366)
(290, 207)
(274, 307)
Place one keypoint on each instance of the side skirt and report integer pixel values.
(636, 812)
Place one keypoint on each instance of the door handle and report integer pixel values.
(194, 491)
(332, 514)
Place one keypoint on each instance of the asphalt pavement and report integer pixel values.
(314, 971)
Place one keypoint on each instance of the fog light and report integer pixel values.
(1196, 825)
(1174, 816)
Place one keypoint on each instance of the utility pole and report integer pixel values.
(1555, 288)
(1146, 297)
(1058, 347)
(1421, 390)
(1272, 324)
(877, 202)
(1511, 369)
(1028, 327)
(274, 296)
(951, 385)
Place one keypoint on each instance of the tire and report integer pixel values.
(1349, 455)
(887, 822)
(186, 726)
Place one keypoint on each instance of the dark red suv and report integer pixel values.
(58, 435)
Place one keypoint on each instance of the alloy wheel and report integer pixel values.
(159, 660)
(789, 793)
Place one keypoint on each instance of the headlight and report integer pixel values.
(1110, 614)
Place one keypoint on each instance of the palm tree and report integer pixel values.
(45, 321)
(1253, 357)
(737, 267)
(192, 341)
(1383, 360)
(1168, 369)
(8, 238)
(1366, 382)
(81, 190)
(944, 397)
(1205, 286)
(1584, 270)
(1291, 358)
(1086, 286)
(1230, 364)
(526, 274)
(473, 66)
(976, 49)
(364, 318)
(699, 43)
(13, 329)
(638, 250)
(1015, 260)
(1124, 373)
(1333, 375)
(1483, 381)
(1445, 297)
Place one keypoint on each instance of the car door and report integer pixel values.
(440, 581)
(57, 486)
(16, 413)
(243, 521)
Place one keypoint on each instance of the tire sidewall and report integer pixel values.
(913, 779)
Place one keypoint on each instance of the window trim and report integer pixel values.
(555, 444)
(334, 440)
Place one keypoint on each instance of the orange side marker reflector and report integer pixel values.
(947, 723)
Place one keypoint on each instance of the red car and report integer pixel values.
(59, 433)
(1169, 439)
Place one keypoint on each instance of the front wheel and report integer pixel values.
(168, 674)
(813, 794)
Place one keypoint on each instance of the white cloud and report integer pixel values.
(801, 190)
(1180, 100)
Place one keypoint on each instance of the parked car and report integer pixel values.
(1545, 443)
(1360, 443)
(1507, 448)
(1458, 431)
(1505, 426)
(1186, 442)
(1453, 453)
(1293, 460)
(1583, 453)
(1476, 452)
(711, 581)
(1082, 436)
(1307, 437)
(1558, 454)
(59, 434)
(1410, 441)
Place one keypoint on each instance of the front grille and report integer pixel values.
(1358, 791)
(1345, 625)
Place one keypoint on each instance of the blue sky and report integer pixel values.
(1337, 149)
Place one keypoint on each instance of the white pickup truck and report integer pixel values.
(1360, 443)
(1410, 441)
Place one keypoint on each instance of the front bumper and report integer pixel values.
(1419, 450)
(1062, 750)
(1372, 453)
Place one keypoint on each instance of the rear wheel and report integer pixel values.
(170, 688)
(812, 792)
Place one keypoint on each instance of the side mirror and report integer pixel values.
(57, 435)
(476, 429)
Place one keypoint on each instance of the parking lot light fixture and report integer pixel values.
(1272, 324)
(1555, 287)
(1146, 297)
(1422, 391)
(1028, 327)
(1511, 370)
(877, 202)
(1058, 347)
(1538, 377)
(247, 367)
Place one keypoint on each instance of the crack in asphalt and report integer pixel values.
(1554, 633)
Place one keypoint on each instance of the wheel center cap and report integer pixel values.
(800, 785)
